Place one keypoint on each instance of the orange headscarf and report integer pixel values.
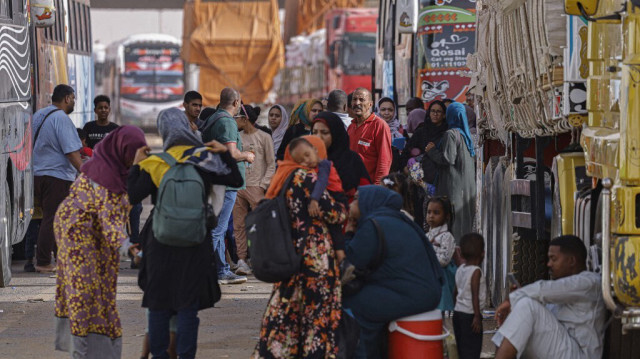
(288, 166)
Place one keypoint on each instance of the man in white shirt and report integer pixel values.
(559, 318)
(337, 103)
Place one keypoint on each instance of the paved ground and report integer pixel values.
(26, 317)
(230, 330)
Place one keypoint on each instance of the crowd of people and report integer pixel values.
(372, 202)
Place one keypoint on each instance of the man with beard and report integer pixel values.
(370, 136)
(559, 318)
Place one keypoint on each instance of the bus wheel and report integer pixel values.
(5, 241)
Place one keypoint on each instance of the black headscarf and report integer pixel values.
(432, 132)
(348, 163)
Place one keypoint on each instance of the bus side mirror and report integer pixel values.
(43, 13)
(580, 7)
(334, 53)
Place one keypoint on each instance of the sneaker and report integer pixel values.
(233, 266)
(46, 269)
(243, 268)
(29, 267)
(231, 278)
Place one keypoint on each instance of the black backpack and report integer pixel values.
(273, 254)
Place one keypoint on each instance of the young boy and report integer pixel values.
(471, 298)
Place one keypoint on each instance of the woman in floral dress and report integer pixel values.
(303, 314)
(90, 232)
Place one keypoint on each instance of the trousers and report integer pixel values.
(50, 192)
(247, 199)
(536, 333)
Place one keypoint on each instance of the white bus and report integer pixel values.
(57, 54)
(143, 75)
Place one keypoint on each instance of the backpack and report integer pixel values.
(180, 213)
(273, 254)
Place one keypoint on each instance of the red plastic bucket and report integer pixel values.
(417, 337)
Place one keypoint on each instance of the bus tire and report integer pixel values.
(5, 241)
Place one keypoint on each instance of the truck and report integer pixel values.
(232, 44)
(557, 99)
(143, 75)
(336, 57)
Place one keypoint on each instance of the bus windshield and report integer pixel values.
(357, 53)
(153, 73)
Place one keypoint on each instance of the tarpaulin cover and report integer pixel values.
(236, 44)
(311, 13)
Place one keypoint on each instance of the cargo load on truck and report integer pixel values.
(235, 44)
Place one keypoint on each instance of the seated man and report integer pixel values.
(559, 318)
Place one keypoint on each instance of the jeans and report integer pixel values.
(31, 238)
(230, 241)
(134, 222)
(219, 232)
(186, 335)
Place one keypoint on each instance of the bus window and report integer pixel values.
(87, 27)
(5, 9)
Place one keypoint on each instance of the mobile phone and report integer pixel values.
(512, 280)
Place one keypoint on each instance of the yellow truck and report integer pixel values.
(557, 88)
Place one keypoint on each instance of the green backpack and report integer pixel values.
(180, 213)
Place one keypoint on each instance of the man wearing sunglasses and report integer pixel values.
(223, 128)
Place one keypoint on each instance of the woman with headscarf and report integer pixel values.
(421, 167)
(278, 122)
(409, 279)
(456, 169)
(90, 232)
(387, 110)
(303, 313)
(415, 119)
(330, 128)
(178, 280)
(300, 124)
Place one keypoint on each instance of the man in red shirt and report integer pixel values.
(369, 136)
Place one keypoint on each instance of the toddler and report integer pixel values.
(471, 298)
(303, 153)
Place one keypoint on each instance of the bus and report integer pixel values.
(143, 75)
(53, 55)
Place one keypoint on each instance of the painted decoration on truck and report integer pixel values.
(576, 67)
(446, 35)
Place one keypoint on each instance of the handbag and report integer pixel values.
(354, 279)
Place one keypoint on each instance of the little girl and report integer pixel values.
(439, 216)
(471, 298)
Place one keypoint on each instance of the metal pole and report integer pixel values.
(606, 245)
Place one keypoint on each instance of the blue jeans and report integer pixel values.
(186, 335)
(134, 221)
(219, 232)
(31, 238)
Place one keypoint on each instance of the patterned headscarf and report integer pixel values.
(302, 111)
(394, 124)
